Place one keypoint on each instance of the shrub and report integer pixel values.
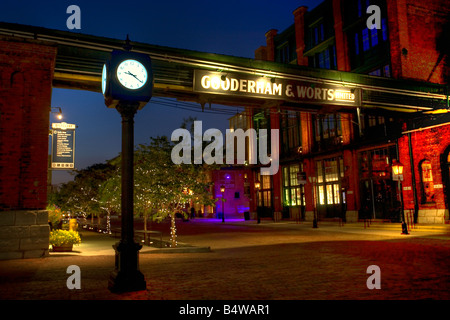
(55, 215)
(60, 237)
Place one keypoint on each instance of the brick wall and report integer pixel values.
(428, 145)
(416, 35)
(26, 73)
(299, 21)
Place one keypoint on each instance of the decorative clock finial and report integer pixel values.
(127, 45)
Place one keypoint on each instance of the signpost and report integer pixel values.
(63, 146)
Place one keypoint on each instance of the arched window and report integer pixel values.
(427, 187)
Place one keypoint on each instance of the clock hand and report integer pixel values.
(129, 73)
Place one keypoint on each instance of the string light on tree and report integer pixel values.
(173, 232)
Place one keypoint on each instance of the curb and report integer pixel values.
(188, 249)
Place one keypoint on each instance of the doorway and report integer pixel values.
(379, 195)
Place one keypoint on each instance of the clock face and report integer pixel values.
(104, 79)
(132, 74)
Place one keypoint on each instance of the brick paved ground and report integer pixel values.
(267, 262)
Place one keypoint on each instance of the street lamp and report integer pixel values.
(397, 175)
(257, 187)
(222, 190)
(397, 171)
(59, 113)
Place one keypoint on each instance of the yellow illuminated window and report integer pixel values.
(329, 173)
(321, 195)
(293, 193)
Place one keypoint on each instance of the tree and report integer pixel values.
(164, 188)
(109, 197)
(82, 194)
(161, 188)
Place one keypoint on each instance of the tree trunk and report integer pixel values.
(108, 223)
(173, 231)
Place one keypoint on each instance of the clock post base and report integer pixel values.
(126, 277)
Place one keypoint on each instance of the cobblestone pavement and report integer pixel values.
(253, 262)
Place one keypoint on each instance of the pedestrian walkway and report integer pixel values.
(97, 244)
(385, 228)
(269, 261)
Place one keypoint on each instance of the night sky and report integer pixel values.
(230, 27)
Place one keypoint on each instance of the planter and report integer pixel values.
(63, 240)
(63, 248)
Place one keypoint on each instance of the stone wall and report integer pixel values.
(432, 216)
(24, 234)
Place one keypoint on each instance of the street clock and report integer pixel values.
(127, 77)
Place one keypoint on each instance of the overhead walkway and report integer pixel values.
(80, 59)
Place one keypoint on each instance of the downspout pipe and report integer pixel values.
(413, 178)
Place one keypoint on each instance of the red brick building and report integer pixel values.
(25, 90)
(348, 157)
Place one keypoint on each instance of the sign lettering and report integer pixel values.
(278, 89)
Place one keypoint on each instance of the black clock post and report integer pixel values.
(126, 275)
(127, 84)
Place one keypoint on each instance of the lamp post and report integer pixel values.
(397, 175)
(257, 187)
(222, 190)
(312, 180)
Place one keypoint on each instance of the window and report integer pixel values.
(387, 71)
(365, 39)
(261, 120)
(329, 174)
(427, 182)
(265, 192)
(384, 31)
(317, 34)
(293, 191)
(325, 59)
(359, 8)
(290, 131)
(238, 121)
(374, 36)
(384, 71)
(374, 126)
(322, 33)
(334, 58)
(284, 53)
(375, 164)
(328, 127)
